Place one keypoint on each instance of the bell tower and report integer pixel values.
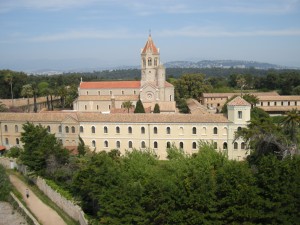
(150, 60)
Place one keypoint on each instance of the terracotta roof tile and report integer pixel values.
(110, 84)
(150, 46)
(229, 95)
(238, 101)
(280, 98)
(113, 118)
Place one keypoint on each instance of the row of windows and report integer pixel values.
(275, 103)
(143, 130)
(149, 60)
(7, 141)
(169, 145)
(111, 92)
(118, 129)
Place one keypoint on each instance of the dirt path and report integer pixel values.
(44, 214)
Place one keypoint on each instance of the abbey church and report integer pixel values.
(106, 96)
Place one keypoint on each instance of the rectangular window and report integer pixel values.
(240, 114)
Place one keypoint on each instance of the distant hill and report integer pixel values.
(222, 64)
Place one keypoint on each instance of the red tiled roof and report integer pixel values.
(150, 46)
(110, 84)
(239, 101)
(2, 148)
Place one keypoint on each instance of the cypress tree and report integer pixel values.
(139, 107)
(156, 108)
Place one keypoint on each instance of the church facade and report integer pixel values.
(105, 96)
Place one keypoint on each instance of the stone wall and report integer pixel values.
(67, 206)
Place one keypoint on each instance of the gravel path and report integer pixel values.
(44, 214)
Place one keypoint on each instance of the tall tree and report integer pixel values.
(27, 92)
(291, 124)
(39, 146)
(127, 105)
(156, 108)
(139, 107)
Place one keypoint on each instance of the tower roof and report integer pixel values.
(150, 46)
(238, 101)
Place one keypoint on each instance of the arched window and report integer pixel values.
(67, 129)
(106, 144)
(81, 129)
(194, 130)
(143, 144)
(225, 131)
(194, 146)
(129, 130)
(155, 61)
(225, 145)
(94, 144)
(144, 62)
(215, 130)
(181, 145)
(105, 130)
(93, 130)
(168, 144)
(215, 145)
(118, 144)
(142, 130)
(117, 130)
(155, 145)
(239, 129)
(168, 130)
(149, 61)
(16, 128)
(204, 130)
(6, 141)
(73, 129)
(85, 107)
(181, 130)
(129, 144)
(243, 145)
(59, 129)
(155, 130)
(17, 141)
(235, 145)
(97, 107)
(5, 128)
(48, 129)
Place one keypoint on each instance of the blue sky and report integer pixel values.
(75, 34)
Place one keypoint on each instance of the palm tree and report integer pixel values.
(291, 124)
(9, 79)
(128, 105)
(45, 91)
(62, 92)
(27, 92)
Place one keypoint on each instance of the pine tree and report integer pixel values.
(156, 108)
(139, 107)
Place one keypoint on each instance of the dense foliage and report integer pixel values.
(5, 186)
(42, 151)
(205, 188)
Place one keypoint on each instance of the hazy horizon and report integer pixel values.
(74, 34)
